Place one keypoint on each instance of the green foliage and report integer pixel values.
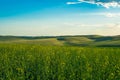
(34, 62)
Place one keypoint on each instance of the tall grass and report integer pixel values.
(33, 62)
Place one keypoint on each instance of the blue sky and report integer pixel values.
(59, 17)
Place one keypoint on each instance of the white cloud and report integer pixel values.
(107, 25)
(107, 5)
(106, 14)
(69, 3)
(100, 29)
(109, 15)
(111, 29)
(113, 25)
(82, 25)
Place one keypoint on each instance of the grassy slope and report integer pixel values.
(88, 40)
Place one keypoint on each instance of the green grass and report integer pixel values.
(85, 40)
(34, 62)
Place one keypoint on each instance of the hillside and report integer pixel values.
(80, 40)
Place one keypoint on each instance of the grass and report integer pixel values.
(55, 42)
(85, 40)
(35, 62)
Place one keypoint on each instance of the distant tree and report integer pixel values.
(60, 38)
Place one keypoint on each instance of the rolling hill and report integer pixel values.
(79, 40)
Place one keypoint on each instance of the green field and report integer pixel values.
(35, 62)
(80, 40)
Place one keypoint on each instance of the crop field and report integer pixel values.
(35, 62)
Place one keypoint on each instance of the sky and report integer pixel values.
(59, 17)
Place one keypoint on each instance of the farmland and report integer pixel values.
(40, 62)
(78, 40)
(59, 39)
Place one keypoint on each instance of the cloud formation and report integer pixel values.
(108, 14)
(104, 3)
(112, 15)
